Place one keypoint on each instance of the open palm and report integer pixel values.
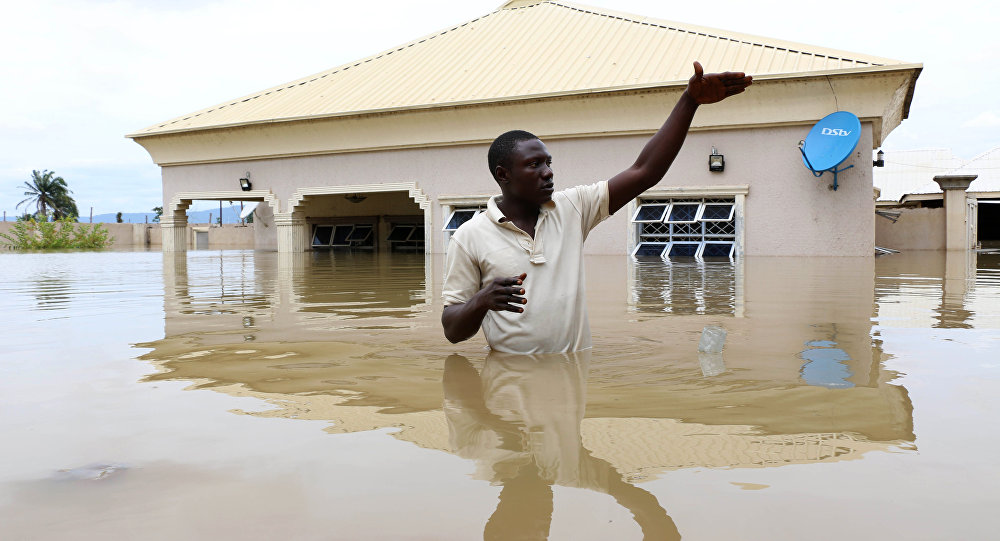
(716, 87)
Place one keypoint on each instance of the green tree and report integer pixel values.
(159, 213)
(65, 208)
(118, 217)
(47, 191)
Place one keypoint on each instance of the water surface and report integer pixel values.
(313, 396)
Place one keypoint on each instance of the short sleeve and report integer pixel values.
(462, 275)
(592, 201)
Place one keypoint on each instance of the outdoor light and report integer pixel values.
(355, 197)
(245, 183)
(880, 162)
(716, 162)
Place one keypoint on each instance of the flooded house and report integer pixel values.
(388, 153)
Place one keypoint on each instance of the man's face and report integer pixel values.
(529, 177)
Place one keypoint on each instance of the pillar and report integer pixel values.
(955, 210)
(174, 234)
(293, 232)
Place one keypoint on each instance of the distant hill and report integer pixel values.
(230, 215)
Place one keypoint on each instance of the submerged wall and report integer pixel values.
(916, 229)
(788, 211)
(231, 236)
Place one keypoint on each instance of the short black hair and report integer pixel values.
(504, 146)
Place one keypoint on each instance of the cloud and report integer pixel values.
(986, 119)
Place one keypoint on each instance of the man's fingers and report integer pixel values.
(698, 70)
(516, 279)
(737, 75)
(512, 304)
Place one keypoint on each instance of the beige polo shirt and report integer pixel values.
(489, 246)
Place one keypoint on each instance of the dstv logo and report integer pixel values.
(835, 131)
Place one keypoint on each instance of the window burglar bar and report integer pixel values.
(685, 228)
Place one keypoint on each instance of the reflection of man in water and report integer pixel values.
(531, 237)
(520, 421)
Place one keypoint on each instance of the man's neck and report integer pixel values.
(523, 215)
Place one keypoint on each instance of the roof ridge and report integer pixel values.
(716, 33)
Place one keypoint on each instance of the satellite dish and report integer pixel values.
(830, 142)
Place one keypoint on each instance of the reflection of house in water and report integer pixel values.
(938, 290)
(686, 286)
(229, 287)
(341, 339)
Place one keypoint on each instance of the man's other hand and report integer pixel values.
(715, 87)
(505, 294)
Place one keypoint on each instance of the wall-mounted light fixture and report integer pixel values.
(716, 161)
(355, 197)
(880, 162)
(245, 184)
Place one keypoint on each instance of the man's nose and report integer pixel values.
(547, 172)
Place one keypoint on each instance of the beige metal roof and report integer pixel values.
(502, 56)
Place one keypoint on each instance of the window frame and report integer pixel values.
(672, 205)
(732, 230)
(411, 227)
(663, 215)
(732, 248)
(360, 227)
(456, 210)
(316, 229)
(701, 212)
(639, 245)
(666, 252)
(346, 243)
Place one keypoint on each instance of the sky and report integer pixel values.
(76, 76)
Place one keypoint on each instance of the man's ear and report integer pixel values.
(500, 175)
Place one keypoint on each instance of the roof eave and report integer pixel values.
(916, 68)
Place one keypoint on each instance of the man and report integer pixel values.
(531, 238)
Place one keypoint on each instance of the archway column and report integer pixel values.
(174, 233)
(293, 232)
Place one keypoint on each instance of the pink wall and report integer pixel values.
(788, 211)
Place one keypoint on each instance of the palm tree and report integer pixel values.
(49, 191)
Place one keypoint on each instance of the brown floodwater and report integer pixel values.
(253, 395)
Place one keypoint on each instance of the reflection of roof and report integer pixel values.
(639, 448)
(911, 172)
(503, 56)
(333, 381)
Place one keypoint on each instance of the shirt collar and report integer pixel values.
(497, 217)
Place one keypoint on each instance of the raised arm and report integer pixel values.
(660, 151)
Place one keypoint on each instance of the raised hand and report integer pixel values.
(716, 87)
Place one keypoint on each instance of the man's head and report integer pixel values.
(521, 165)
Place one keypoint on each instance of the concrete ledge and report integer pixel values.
(150, 235)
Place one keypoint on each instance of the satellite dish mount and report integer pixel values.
(829, 143)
